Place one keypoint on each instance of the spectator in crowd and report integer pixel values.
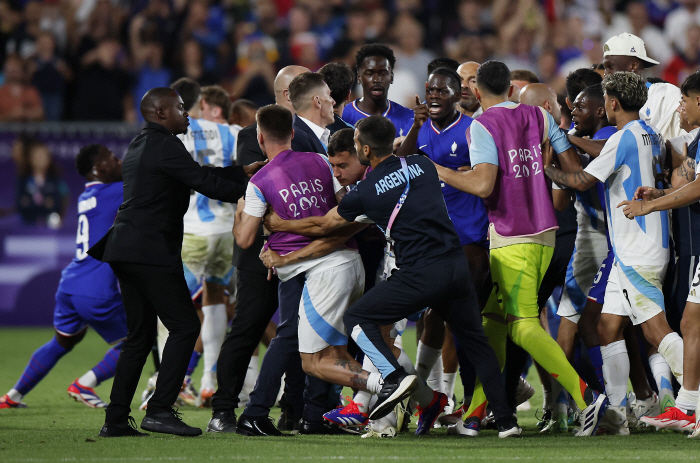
(678, 21)
(687, 61)
(410, 55)
(23, 40)
(19, 101)
(192, 65)
(255, 81)
(42, 195)
(102, 92)
(50, 75)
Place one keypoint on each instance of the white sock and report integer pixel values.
(435, 377)
(671, 347)
(424, 395)
(662, 375)
(616, 371)
(213, 333)
(687, 400)
(406, 363)
(374, 383)
(88, 379)
(398, 342)
(425, 360)
(14, 395)
(363, 398)
(448, 384)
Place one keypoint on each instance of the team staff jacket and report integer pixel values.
(159, 174)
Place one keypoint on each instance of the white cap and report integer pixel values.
(627, 44)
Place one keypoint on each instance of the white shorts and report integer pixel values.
(694, 293)
(635, 292)
(580, 274)
(328, 292)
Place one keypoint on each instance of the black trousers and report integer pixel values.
(282, 357)
(257, 303)
(151, 292)
(446, 285)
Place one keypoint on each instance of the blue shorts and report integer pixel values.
(597, 291)
(106, 316)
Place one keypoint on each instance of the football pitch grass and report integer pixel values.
(55, 428)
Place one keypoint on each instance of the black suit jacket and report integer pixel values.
(305, 140)
(248, 151)
(338, 125)
(159, 175)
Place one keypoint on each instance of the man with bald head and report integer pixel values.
(543, 96)
(468, 104)
(143, 247)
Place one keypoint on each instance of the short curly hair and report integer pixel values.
(628, 88)
(374, 49)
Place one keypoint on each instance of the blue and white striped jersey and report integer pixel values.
(210, 144)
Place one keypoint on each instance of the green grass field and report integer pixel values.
(55, 428)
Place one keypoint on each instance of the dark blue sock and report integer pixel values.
(597, 361)
(194, 361)
(42, 361)
(107, 366)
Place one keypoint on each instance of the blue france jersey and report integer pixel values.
(449, 148)
(85, 276)
(632, 158)
(210, 144)
(401, 117)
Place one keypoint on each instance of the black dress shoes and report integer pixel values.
(127, 429)
(169, 423)
(224, 422)
(257, 426)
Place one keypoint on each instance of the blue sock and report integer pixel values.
(42, 361)
(597, 361)
(194, 361)
(107, 366)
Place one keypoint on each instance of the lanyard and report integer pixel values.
(398, 206)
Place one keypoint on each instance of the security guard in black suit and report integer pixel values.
(143, 247)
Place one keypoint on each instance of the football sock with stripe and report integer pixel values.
(663, 377)
(529, 334)
(616, 369)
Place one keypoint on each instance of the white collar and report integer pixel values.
(317, 129)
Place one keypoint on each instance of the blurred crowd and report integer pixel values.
(94, 59)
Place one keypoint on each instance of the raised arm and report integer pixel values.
(420, 115)
(310, 226)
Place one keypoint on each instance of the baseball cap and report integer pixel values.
(627, 44)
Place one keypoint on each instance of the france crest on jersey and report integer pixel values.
(400, 116)
(449, 148)
(210, 144)
(632, 158)
(85, 276)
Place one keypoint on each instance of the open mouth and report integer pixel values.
(377, 91)
(434, 108)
